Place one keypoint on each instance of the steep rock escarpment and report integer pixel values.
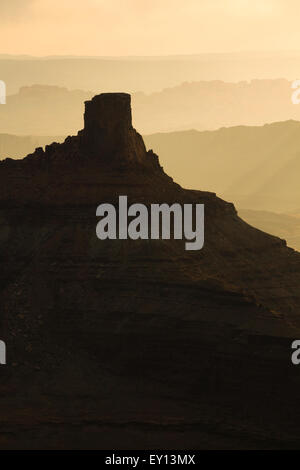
(137, 344)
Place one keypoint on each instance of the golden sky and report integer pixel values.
(147, 27)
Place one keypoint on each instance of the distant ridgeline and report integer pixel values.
(13, 146)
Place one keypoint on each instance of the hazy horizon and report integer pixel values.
(153, 56)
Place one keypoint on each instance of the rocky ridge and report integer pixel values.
(138, 344)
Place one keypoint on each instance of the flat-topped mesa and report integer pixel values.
(108, 142)
(108, 111)
(108, 132)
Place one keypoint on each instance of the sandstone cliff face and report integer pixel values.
(138, 344)
(108, 130)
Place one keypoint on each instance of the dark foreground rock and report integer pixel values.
(138, 344)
